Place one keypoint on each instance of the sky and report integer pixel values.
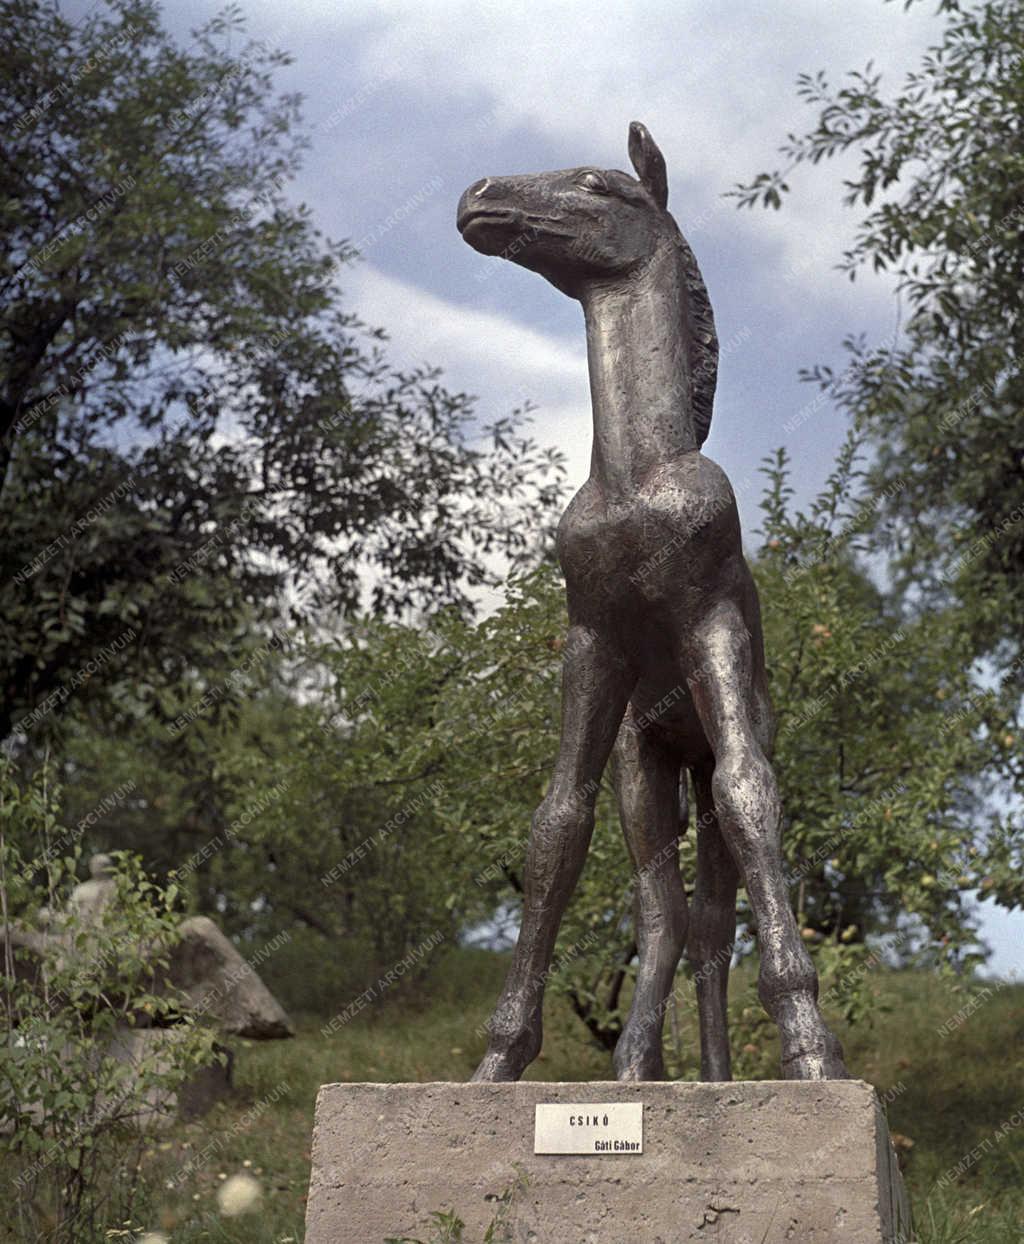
(410, 101)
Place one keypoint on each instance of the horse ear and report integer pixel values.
(648, 162)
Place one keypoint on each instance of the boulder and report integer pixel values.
(220, 984)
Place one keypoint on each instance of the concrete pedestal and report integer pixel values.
(747, 1163)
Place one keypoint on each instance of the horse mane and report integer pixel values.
(703, 341)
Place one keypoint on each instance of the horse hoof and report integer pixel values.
(641, 1063)
(640, 1073)
(824, 1061)
(495, 1068)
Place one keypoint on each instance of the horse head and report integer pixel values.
(586, 229)
(574, 225)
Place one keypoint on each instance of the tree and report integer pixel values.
(940, 177)
(457, 721)
(885, 752)
(198, 438)
(255, 816)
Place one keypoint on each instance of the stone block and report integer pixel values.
(159, 1106)
(758, 1162)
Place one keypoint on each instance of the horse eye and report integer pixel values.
(591, 181)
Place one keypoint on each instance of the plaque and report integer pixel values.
(612, 1127)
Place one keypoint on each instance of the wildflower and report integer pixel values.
(240, 1194)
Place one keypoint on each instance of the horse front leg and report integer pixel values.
(596, 684)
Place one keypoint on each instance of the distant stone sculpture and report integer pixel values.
(90, 898)
(214, 980)
(203, 967)
(664, 665)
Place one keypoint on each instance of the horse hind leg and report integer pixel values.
(747, 803)
(712, 932)
(647, 787)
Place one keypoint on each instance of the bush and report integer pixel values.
(72, 985)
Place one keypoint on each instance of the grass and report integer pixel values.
(948, 1096)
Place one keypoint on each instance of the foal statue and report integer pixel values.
(664, 659)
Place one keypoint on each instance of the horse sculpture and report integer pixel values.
(664, 658)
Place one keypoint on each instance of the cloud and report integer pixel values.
(408, 94)
(715, 84)
(485, 353)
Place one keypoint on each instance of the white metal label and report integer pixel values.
(604, 1127)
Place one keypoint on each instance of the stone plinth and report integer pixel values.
(161, 1107)
(747, 1163)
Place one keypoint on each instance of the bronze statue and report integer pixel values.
(664, 659)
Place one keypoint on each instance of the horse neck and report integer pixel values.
(637, 353)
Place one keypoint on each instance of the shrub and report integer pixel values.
(73, 986)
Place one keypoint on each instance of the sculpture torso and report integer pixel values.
(630, 554)
(653, 537)
(654, 532)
